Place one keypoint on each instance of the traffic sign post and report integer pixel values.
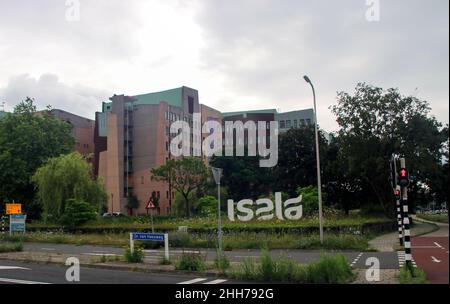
(404, 183)
(156, 237)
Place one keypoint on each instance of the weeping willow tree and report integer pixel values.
(67, 177)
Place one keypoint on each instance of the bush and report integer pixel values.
(412, 275)
(330, 270)
(310, 199)
(11, 247)
(77, 213)
(190, 262)
(207, 206)
(223, 263)
(137, 256)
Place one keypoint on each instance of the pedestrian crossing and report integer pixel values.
(203, 281)
(401, 259)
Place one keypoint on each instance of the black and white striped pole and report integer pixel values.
(404, 183)
(399, 214)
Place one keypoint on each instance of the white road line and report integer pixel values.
(356, 259)
(100, 251)
(48, 249)
(20, 281)
(437, 244)
(246, 256)
(13, 268)
(100, 254)
(193, 281)
(215, 282)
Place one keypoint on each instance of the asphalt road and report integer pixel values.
(388, 260)
(431, 254)
(12, 272)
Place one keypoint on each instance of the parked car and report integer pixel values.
(118, 214)
(107, 215)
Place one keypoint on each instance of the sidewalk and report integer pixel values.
(390, 242)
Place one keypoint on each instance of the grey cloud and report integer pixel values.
(263, 47)
(48, 90)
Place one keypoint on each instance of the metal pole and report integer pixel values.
(219, 219)
(319, 182)
(151, 218)
(399, 216)
(112, 204)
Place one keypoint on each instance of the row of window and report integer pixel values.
(86, 146)
(287, 124)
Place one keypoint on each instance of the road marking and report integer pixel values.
(401, 259)
(20, 281)
(48, 249)
(437, 244)
(100, 254)
(193, 281)
(215, 282)
(356, 259)
(435, 260)
(246, 256)
(13, 267)
(100, 251)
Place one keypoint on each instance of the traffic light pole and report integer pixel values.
(404, 198)
(399, 214)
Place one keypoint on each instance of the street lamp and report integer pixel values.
(319, 183)
(217, 173)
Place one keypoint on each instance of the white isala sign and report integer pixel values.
(266, 209)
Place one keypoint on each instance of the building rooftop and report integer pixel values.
(265, 111)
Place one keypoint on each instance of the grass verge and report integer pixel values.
(191, 262)
(438, 218)
(11, 247)
(412, 275)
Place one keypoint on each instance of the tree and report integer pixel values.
(376, 123)
(243, 177)
(187, 175)
(207, 206)
(67, 177)
(132, 203)
(77, 213)
(27, 140)
(297, 159)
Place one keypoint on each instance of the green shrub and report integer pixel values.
(412, 275)
(330, 270)
(267, 266)
(77, 213)
(223, 263)
(137, 256)
(180, 240)
(207, 206)
(11, 247)
(247, 271)
(190, 262)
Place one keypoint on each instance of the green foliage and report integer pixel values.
(186, 176)
(310, 199)
(27, 140)
(132, 203)
(179, 203)
(207, 206)
(190, 262)
(330, 270)
(327, 270)
(223, 263)
(77, 213)
(137, 256)
(165, 261)
(412, 275)
(67, 177)
(11, 247)
(439, 218)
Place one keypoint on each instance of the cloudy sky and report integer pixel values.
(239, 54)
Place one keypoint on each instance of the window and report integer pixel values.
(167, 194)
(282, 124)
(302, 122)
(167, 146)
(295, 123)
(288, 124)
(142, 180)
(191, 104)
(308, 122)
(158, 194)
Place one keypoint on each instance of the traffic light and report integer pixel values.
(404, 178)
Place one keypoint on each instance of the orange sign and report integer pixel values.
(13, 209)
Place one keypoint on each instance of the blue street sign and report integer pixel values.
(138, 236)
(17, 216)
(17, 227)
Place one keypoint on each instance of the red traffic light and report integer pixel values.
(403, 173)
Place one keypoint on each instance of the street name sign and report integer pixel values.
(17, 223)
(157, 237)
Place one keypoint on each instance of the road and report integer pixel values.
(12, 272)
(431, 254)
(388, 260)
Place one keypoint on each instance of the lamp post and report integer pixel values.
(319, 183)
(217, 173)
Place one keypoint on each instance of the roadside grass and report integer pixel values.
(11, 247)
(327, 270)
(412, 275)
(438, 218)
(137, 256)
(190, 262)
(243, 240)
